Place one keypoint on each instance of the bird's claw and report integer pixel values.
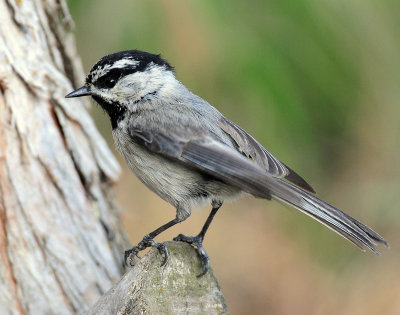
(196, 241)
(144, 243)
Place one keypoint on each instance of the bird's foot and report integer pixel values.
(196, 241)
(144, 243)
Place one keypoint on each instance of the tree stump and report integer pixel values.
(173, 288)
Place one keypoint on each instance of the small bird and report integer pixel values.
(190, 155)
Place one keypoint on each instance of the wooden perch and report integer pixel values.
(174, 288)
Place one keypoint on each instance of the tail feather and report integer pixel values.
(338, 221)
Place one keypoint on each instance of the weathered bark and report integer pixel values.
(172, 289)
(61, 243)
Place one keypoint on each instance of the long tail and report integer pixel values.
(343, 224)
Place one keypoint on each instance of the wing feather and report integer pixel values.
(251, 148)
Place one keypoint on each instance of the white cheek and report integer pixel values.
(127, 92)
(135, 86)
(106, 95)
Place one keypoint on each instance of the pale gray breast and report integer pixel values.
(171, 181)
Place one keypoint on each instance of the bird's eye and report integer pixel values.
(110, 82)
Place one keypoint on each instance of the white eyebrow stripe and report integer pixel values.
(123, 63)
(116, 65)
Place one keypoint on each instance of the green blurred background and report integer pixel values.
(316, 82)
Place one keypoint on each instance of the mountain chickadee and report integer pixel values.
(189, 154)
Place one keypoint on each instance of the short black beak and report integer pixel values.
(83, 91)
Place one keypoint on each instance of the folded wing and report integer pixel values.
(228, 165)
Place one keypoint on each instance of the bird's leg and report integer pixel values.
(197, 240)
(147, 241)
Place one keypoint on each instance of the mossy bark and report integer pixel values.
(174, 288)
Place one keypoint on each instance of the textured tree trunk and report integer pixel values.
(61, 243)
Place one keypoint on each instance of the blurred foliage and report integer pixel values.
(296, 64)
(317, 82)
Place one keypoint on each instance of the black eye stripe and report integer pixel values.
(102, 81)
(114, 74)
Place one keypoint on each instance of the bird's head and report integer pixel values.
(117, 82)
